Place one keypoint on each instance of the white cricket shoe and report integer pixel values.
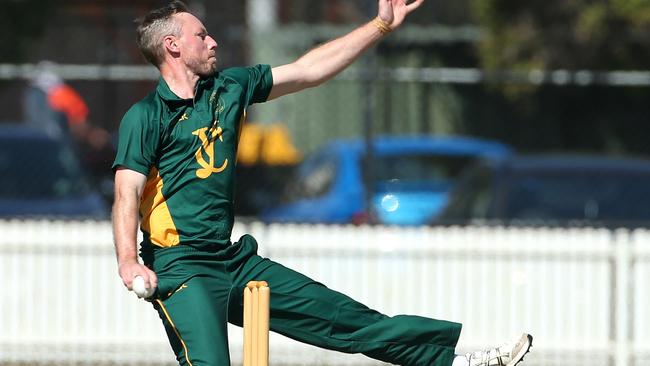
(508, 354)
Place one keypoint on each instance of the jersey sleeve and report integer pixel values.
(256, 81)
(139, 137)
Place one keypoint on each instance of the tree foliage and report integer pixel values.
(566, 34)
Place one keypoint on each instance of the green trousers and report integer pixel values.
(200, 291)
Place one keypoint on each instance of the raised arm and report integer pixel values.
(327, 60)
(128, 190)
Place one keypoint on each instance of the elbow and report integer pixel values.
(310, 75)
(126, 198)
(315, 78)
(310, 83)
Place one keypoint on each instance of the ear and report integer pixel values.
(171, 44)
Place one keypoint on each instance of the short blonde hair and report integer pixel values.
(154, 26)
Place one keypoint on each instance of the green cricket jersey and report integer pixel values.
(187, 149)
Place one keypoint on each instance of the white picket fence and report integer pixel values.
(583, 293)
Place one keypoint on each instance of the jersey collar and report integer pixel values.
(168, 95)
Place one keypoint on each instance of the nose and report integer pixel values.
(212, 44)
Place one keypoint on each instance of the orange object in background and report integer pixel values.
(65, 99)
(268, 144)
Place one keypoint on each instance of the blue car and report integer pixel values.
(42, 177)
(412, 178)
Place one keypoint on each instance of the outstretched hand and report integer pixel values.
(393, 12)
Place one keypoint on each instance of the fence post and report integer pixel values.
(622, 297)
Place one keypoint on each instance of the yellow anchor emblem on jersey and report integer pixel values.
(207, 147)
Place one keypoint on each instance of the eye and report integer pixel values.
(202, 35)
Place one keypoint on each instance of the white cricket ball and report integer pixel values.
(140, 289)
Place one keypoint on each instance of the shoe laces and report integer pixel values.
(489, 357)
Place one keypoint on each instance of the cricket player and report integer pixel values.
(175, 169)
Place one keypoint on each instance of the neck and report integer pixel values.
(181, 81)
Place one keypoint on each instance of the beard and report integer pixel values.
(203, 67)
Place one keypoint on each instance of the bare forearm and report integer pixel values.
(327, 60)
(125, 226)
(129, 186)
